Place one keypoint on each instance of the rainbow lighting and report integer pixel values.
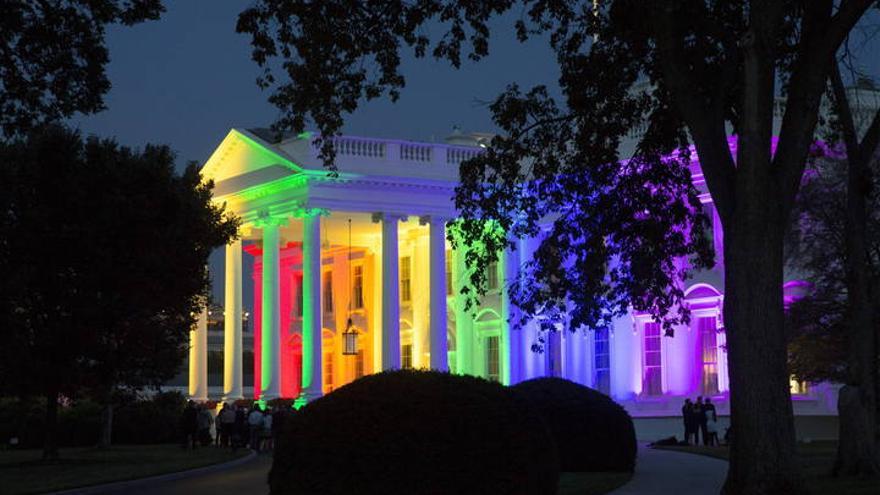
(396, 278)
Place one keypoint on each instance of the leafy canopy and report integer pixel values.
(53, 55)
(103, 260)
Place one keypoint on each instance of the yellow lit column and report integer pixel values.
(198, 358)
(232, 378)
(312, 314)
(270, 356)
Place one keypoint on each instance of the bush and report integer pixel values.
(151, 421)
(591, 431)
(415, 432)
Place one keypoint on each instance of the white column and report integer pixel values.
(437, 255)
(198, 358)
(511, 336)
(312, 314)
(390, 291)
(270, 356)
(232, 380)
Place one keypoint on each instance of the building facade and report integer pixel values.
(366, 248)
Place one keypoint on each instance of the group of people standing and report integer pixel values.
(700, 418)
(234, 427)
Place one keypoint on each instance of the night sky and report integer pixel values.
(186, 79)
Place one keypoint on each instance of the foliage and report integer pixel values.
(591, 431)
(53, 56)
(816, 246)
(103, 259)
(416, 432)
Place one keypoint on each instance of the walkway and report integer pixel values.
(663, 472)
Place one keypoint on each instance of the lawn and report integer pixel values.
(817, 458)
(590, 483)
(22, 471)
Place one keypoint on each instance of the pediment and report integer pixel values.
(243, 155)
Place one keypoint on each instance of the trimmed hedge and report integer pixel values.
(416, 433)
(591, 431)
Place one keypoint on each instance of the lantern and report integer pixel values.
(349, 340)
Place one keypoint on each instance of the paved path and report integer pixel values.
(248, 478)
(658, 472)
(663, 472)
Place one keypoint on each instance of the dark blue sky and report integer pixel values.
(186, 79)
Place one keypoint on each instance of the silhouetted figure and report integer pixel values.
(225, 424)
(189, 425)
(255, 424)
(709, 416)
(205, 420)
(687, 413)
(699, 419)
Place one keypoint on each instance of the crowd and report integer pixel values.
(700, 419)
(233, 427)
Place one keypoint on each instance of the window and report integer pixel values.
(493, 361)
(601, 362)
(299, 295)
(553, 348)
(359, 364)
(449, 283)
(708, 354)
(798, 387)
(327, 287)
(328, 371)
(405, 279)
(492, 276)
(357, 288)
(406, 356)
(651, 380)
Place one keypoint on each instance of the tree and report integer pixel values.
(52, 57)
(708, 65)
(104, 265)
(841, 254)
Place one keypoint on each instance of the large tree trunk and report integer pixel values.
(106, 436)
(762, 455)
(50, 440)
(857, 403)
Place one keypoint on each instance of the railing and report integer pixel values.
(404, 151)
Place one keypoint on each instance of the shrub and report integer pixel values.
(415, 432)
(592, 432)
(151, 421)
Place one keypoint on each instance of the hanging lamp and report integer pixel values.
(349, 336)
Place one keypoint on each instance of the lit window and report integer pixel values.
(492, 276)
(651, 380)
(405, 279)
(328, 371)
(299, 296)
(358, 287)
(798, 387)
(449, 283)
(601, 361)
(327, 287)
(359, 364)
(709, 354)
(406, 356)
(493, 361)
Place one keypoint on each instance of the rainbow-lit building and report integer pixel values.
(369, 245)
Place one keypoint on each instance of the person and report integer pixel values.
(240, 429)
(278, 418)
(255, 426)
(708, 414)
(266, 431)
(189, 425)
(687, 411)
(205, 421)
(710, 436)
(227, 422)
(699, 419)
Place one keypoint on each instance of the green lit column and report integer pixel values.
(198, 358)
(464, 325)
(312, 325)
(270, 355)
(232, 376)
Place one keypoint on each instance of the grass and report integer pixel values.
(590, 483)
(817, 459)
(22, 471)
